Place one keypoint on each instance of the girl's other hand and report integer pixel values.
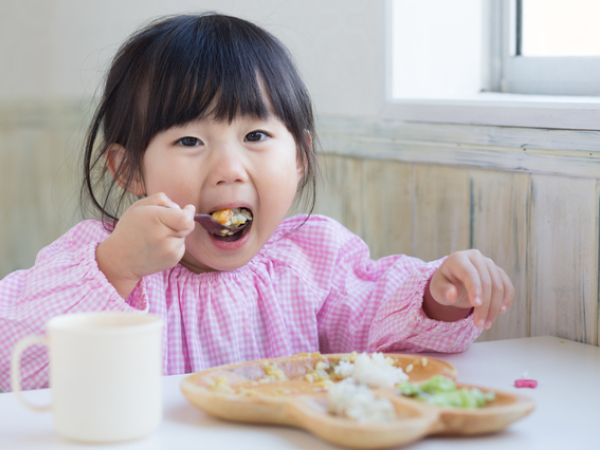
(466, 280)
(149, 237)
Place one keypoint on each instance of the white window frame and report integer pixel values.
(540, 75)
(491, 108)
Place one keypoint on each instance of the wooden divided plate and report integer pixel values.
(278, 391)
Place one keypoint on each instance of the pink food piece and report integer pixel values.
(524, 383)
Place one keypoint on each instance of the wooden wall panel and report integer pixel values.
(563, 257)
(386, 202)
(403, 188)
(8, 201)
(441, 211)
(339, 192)
(24, 226)
(499, 230)
(567, 152)
(39, 191)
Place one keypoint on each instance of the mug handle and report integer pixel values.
(15, 369)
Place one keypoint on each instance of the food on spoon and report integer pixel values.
(232, 217)
(222, 215)
(442, 391)
(225, 222)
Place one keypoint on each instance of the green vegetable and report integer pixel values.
(437, 383)
(408, 389)
(442, 391)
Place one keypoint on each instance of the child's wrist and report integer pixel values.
(120, 277)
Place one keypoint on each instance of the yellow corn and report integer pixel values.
(222, 216)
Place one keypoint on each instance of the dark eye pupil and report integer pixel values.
(189, 141)
(254, 136)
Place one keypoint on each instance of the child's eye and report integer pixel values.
(189, 141)
(256, 136)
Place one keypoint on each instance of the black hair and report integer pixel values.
(186, 67)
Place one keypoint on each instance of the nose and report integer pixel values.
(227, 166)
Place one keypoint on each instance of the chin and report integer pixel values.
(197, 265)
(228, 267)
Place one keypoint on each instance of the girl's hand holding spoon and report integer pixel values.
(149, 238)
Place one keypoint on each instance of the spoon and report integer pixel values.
(212, 226)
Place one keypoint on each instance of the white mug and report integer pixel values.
(105, 375)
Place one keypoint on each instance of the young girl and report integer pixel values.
(202, 117)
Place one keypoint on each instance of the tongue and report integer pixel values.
(212, 226)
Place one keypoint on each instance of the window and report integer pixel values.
(478, 61)
(437, 48)
(549, 47)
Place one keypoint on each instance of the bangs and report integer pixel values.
(198, 80)
(213, 68)
(183, 68)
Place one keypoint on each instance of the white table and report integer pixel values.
(567, 413)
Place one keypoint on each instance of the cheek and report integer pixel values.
(276, 186)
(287, 179)
(173, 177)
(155, 167)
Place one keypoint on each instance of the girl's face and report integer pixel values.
(248, 163)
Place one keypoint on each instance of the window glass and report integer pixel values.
(559, 28)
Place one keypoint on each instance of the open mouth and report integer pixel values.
(226, 225)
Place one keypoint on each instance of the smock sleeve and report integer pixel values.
(65, 279)
(376, 306)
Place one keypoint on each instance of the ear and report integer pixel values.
(117, 166)
(301, 161)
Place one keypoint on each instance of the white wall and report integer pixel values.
(59, 49)
(438, 50)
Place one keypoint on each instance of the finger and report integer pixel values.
(497, 292)
(464, 272)
(190, 210)
(159, 199)
(444, 290)
(509, 292)
(451, 293)
(180, 221)
(481, 311)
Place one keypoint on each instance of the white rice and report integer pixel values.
(377, 371)
(352, 397)
(344, 369)
(358, 402)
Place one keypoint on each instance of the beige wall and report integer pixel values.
(59, 49)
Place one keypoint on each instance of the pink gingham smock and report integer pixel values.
(312, 287)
